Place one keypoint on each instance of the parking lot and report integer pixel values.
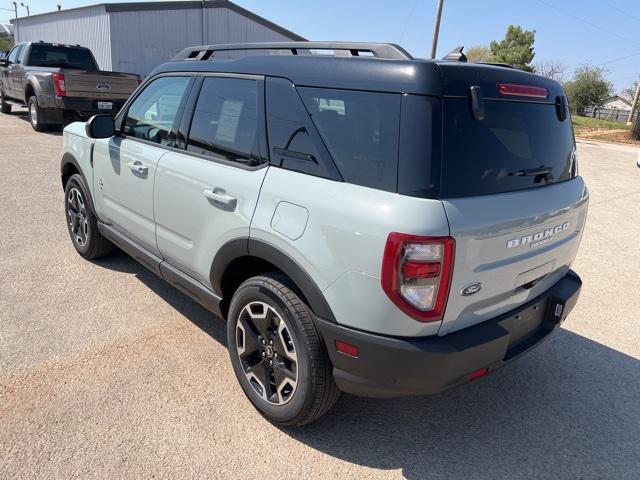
(106, 371)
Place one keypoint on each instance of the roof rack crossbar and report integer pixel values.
(378, 50)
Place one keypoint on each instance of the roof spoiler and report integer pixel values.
(354, 49)
(455, 55)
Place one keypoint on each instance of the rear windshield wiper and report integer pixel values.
(540, 173)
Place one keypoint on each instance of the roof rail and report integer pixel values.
(378, 50)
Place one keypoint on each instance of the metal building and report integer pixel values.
(137, 37)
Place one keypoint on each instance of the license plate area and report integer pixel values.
(525, 325)
(105, 105)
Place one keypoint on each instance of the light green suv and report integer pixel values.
(364, 221)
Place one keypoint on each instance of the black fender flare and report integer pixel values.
(251, 247)
(69, 159)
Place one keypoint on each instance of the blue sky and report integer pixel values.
(573, 31)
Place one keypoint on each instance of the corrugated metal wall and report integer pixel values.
(139, 41)
(88, 27)
(145, 39)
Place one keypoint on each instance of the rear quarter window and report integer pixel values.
(360, 130)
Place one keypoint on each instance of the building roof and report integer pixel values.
(6, 30)
(178, 5)
(621, 98)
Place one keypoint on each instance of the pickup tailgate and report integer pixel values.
(99, 85)
(511, 191)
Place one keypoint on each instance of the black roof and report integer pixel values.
(394, 75)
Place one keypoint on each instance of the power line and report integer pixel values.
(621, 58)
(587, 22)
(409, 17)
(621, 11)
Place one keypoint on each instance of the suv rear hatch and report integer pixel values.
(509, 185)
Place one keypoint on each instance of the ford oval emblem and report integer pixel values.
(103, 86)
(471, 289)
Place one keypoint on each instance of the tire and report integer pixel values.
(4, 107)
(82, 222)
(300, 386)
(35, 114)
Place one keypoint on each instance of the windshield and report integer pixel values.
(518, 145)
(61, 57)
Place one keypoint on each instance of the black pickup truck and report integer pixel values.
(59, 83)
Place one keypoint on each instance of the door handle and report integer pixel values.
(218, 195)
(138, 167)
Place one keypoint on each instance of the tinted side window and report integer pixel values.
(293, 142)
(361, 132)
(152, 113)
(225, 120)
(21, 54)
(13, 54)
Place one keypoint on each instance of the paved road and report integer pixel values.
(107, 372)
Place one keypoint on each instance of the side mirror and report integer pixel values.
(100, 126)
(4, 63)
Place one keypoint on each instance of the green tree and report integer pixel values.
(5, 44)
(589, 87)
(516, 49)
(629, 92)
(479, 53)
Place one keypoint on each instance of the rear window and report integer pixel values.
(360, 130)
(518, 145)
(61, 57)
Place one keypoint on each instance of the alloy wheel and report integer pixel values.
(33, 113)
(267, 352)
(77, 217)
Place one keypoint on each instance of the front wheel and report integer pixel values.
(82, 221)
(277, 353)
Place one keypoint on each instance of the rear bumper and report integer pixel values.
(86, 107)
(391, 367)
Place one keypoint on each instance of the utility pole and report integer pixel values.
(15, 28)
(27, 7)
(436, 29)
(634, 105)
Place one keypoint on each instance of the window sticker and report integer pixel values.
(228, 123)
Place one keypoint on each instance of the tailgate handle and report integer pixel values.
(477, 102)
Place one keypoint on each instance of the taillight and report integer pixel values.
(139, 81)
(522, 90)
(416, 274)
(58, 85)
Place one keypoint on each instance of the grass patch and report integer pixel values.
(605, 130)
(587, 122)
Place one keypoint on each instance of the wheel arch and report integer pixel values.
(243, 258)
(29, 91)
(68, 166)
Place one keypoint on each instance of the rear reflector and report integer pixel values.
(481, 372)
(522, 90)
(347, 348)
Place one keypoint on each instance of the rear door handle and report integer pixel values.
(219, 196)
(138, 167)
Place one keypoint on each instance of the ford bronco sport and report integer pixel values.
(366, 222)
